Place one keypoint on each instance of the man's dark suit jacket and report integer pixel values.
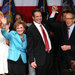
(36, 47)
(70, 54)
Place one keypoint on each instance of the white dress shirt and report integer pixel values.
(39, 29)
(71, 29)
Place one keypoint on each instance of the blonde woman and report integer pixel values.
(3, 51)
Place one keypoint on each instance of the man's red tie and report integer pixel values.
(45, 39)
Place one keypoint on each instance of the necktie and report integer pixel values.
(45, 39)
(68, 33)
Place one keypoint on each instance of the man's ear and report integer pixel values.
(32, 17)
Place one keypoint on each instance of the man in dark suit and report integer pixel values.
(68, 38)
(66, 33)
(40, 54)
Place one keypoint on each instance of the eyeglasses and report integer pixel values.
(69, 18)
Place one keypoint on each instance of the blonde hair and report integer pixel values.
(1, 13)
(18, 22)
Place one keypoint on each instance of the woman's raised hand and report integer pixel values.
(4, 20)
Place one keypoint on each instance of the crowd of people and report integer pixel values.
(46, 47)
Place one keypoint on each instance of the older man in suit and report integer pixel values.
(67, 40)
(65, 37)
(66, 45)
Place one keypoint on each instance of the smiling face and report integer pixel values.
(37, 17)
(17, 17)
(20, 29)
(69, 19)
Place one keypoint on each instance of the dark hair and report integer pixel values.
(45, 17)
(67, 11)
(66, 8)
(36, 10)
(17, 14)
(44, 14)
(72, 13)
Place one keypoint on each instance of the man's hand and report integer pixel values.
(33, 64)
(54, 9)
(65, 47)
(73, 65)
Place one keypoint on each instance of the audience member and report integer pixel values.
(64, 12)
(17, 16)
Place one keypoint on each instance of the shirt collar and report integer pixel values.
(36, 24)
(71, 27)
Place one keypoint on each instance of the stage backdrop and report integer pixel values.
(25, 7)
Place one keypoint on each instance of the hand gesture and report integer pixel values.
(4, 20)
(65, 47)
(33, 64)
(54, 9)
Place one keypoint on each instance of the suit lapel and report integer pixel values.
(47, 29)
(37, 33)
(64, 31)
(72, 34)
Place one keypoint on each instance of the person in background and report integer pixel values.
(3, 50)
(17, 16)
(64, 12)
(17, 58)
